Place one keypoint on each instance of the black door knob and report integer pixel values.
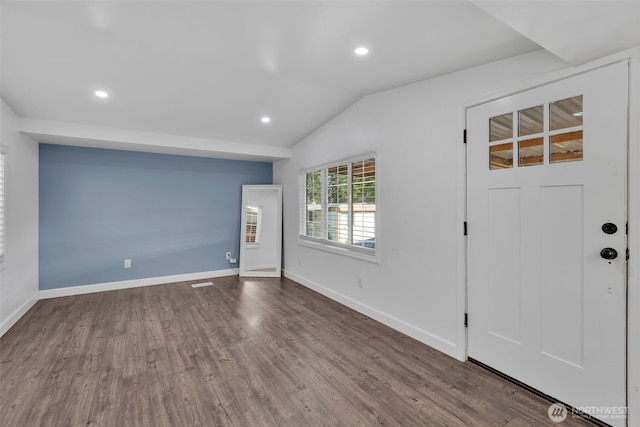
(609, 228)
(609, 253)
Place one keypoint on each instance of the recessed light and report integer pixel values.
(265, 119)
(101, 94)
(361, 51)
(578, 114)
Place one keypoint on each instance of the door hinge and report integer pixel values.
(464, 136)
(466, 320)
(627, 254)
(465, 228)
(626, 228)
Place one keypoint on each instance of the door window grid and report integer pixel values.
(544, 134)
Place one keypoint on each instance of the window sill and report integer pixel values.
(315, 244)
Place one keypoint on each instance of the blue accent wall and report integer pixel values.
(168, 214)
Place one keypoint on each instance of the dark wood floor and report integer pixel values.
(257, 352)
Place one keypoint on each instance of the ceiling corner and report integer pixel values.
(575, 31)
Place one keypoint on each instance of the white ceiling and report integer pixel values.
(575, 31)
(209, 70)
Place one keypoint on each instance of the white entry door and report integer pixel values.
(546, 209)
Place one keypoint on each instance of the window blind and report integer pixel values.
(338, 204)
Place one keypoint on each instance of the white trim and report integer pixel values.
(461, 239)
(251, 274)
(350, 251)
(633, 243)
(256, 268)
(425, 337)
(127, 284)
(17, 314)
(339, 160)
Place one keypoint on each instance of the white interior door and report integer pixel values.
(546, 170)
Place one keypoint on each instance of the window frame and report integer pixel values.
(323, 243)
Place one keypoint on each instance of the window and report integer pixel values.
(2, 203)
(313, 205)
(545, 134)
(338, 204)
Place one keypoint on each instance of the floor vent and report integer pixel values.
(200, 285)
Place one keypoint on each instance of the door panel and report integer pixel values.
(561, 252)
(504, 274)
(546, 169)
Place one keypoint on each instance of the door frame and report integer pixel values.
(632, 57)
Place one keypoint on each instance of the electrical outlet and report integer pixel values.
(360, 282)
(228, 255)
(127, 263)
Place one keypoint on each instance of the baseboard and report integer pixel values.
(17, 314)
(425, 337)
(126, 284)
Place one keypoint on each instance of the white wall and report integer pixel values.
(19, 276)
(416, 132)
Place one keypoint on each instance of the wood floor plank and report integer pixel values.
(135, 408)
(52, 399)
(17, 410)
(106, 400)
(312, 410)
(242, 352)
(78, 400)
(135, 352)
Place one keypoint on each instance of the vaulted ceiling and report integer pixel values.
(197, 77)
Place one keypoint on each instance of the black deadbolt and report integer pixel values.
(609, 253)
(609, 228)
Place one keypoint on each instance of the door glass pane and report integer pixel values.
(501, 127)
(501, 156)
(566, 113)
(530, 121)
(531, 152)
(566, 147)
